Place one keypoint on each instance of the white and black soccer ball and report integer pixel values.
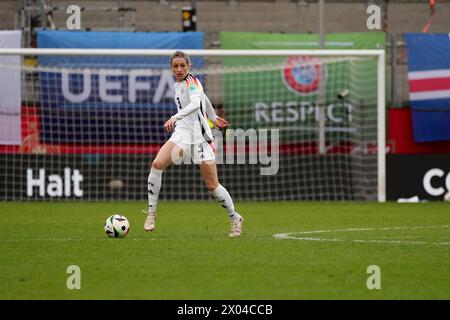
(117, 226)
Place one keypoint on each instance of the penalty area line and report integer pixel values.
(297, 235)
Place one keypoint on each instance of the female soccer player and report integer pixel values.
(191, 137)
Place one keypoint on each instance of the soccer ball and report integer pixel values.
(447, 196)
(117, 226)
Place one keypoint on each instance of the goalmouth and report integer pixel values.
(99, 113)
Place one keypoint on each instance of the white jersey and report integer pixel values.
(194, 107)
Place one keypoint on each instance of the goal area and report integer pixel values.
(304, 124)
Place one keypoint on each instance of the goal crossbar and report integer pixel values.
(192, 52)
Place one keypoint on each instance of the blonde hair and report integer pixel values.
(180, 54)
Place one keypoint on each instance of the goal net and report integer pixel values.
(304, 125)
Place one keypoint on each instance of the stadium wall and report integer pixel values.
(216, 16)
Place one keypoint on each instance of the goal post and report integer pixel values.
(93, 123)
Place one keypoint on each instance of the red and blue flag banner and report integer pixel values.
(429, 85)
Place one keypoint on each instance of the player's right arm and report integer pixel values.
(194, 105)
(195, 93)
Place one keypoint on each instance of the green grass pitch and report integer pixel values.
(189, 256)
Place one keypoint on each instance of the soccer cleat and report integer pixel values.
(236, 227)
(150, 221)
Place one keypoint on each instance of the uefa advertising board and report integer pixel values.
(114, 99)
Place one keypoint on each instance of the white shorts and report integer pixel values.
(195, 153)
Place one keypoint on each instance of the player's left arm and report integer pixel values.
(210, 109)
(218, 121)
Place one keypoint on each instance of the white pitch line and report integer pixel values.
(70, 239)
(293, 235)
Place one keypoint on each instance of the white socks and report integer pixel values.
(154, 185)
(220, 194)
(223, 197)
